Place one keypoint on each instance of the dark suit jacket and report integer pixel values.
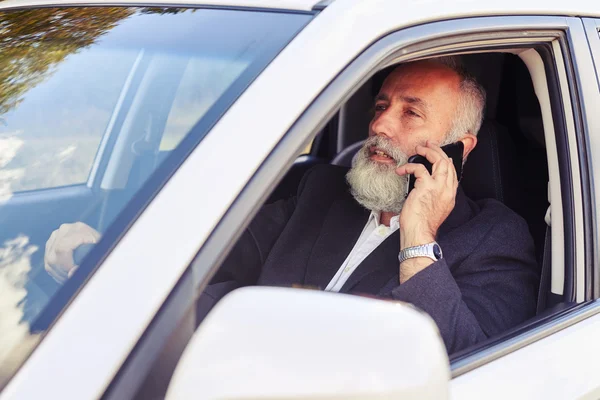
(485, 283)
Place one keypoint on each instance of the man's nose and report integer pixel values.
(380, 125)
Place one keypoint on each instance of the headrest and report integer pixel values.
(490, 170)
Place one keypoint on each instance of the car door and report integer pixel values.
(326, 83)
(537, 370)
(330, 71)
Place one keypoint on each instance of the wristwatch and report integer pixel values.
(431, 250)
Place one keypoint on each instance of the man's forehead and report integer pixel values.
(401, 95)
(418, 82)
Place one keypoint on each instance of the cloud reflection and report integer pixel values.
(16, 340)
(9, 147)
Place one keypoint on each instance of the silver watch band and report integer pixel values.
(431, 250)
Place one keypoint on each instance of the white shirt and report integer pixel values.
(372, 236)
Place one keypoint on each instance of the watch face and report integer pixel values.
(437, 251)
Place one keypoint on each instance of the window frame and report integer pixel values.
(326, 105)
(323, 108)
(308, 124)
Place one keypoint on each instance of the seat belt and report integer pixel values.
(546, 274)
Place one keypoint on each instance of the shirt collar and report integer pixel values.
(374, 219)
(462, 212)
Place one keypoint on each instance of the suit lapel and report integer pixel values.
(341, 229)
(461, 213)
(385, 256)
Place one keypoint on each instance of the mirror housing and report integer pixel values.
(267, 342)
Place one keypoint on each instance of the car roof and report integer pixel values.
(414, 11)
(297, 5)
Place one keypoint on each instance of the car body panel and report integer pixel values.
(89, 342)
(565, 368)
(404, 14)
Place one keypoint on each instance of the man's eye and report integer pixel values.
(412, 113)
(379, 107)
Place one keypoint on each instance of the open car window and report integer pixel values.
(522, 107)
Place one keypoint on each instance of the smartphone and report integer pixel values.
(453, 150)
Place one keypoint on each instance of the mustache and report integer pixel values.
(386, 145)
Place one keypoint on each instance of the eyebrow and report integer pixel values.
(407, 99)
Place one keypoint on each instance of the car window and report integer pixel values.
(204, 81)
(95, 103)
(58, 140)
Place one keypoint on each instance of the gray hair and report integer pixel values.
(471, 104)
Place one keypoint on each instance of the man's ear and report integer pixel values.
(470, 141)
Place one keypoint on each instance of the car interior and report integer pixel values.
(509, 164)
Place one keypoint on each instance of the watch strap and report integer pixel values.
(430, 250)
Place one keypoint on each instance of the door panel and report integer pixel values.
(560, 366)
(559, 358)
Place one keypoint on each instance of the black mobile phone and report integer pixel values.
(453, 150)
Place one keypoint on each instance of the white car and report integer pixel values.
(167, 125)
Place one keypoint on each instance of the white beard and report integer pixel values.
(375, 185)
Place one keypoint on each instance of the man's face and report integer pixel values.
(416, 103)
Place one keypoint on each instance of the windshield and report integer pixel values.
(95, 103)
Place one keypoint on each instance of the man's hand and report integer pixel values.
(58, 259)
(427, 205)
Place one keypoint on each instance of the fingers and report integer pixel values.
(441, 170)
(418, 170)
(432, 152)
(58, 258)
(50, 258)
(452, 178)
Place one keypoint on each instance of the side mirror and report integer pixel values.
(266, 342)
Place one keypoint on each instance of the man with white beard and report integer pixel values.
(470, 265)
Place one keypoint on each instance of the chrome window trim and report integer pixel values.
(522, 30)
